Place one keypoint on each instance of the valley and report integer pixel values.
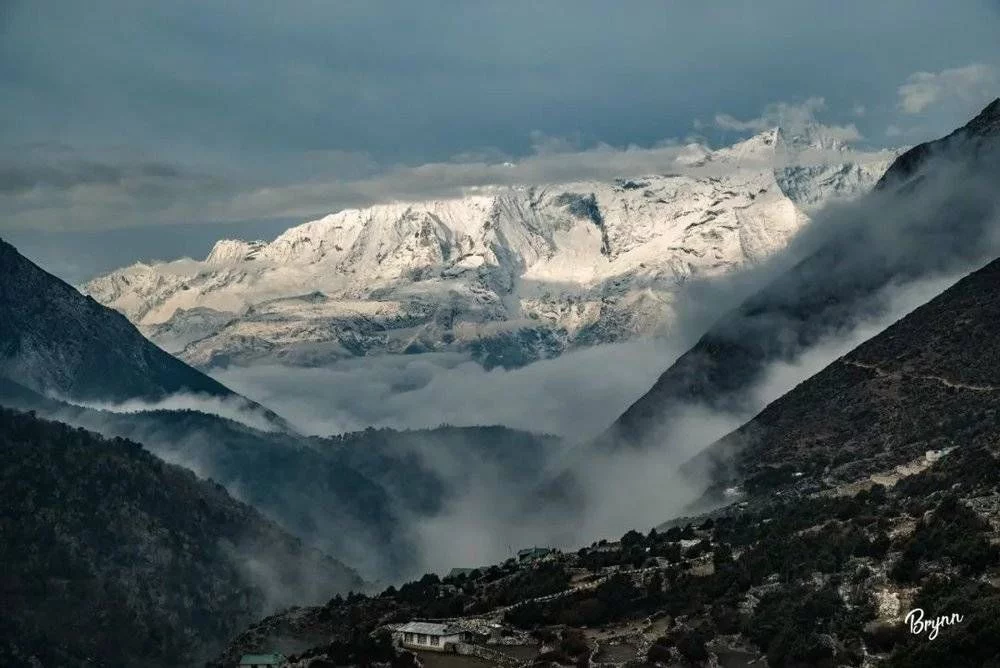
(499, 335)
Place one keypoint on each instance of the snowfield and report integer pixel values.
(509, 275)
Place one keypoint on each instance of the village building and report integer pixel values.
(456, 572)
(533, 554)
(262, 660)
(432, 636)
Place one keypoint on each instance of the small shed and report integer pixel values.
(262, 660)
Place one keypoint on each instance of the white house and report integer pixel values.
(431, 636)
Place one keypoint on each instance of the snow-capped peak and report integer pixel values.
(508, 274)
(229, 251)
(752, 153)
(693, 155)
(813, 136)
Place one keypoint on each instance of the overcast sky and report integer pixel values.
(239, 118)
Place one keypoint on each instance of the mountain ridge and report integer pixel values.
(61, 343)
(353, 496)
(507, 274)
(30, 299)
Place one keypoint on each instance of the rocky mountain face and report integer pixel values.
(55, 340)
(508, 275)
(112, 557)
(934, 212)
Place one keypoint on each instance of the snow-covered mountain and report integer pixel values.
(507, 274)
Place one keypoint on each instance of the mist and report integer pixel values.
(574, 395)
(229, 408)
(867, 264)
(632, 488)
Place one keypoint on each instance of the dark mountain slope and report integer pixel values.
(934, 211)
(986, 124)
(931, 381)
(112, 557)
(352, 496)
(53, 339)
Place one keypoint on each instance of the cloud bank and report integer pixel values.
(136, 113)
(973, 84)
(575, 395)
(793, 118)
(64, 191)
(230, 408)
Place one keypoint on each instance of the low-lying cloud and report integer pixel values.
(793, 118)
(976, 83)
(628, 488)
(67, 188)
(885, 256)
(230, 408)
(574, 395)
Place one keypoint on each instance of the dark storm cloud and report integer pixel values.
(21, 177)
(424, 81)
(212, 109)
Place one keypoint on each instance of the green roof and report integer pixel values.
(262, 659)
(533, 551)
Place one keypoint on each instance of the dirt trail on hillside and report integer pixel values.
(939, 379)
